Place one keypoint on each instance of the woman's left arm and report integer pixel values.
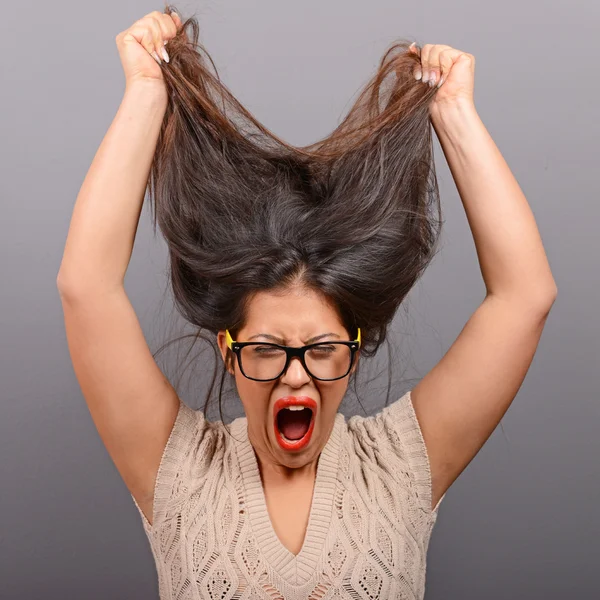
(509, 247)
(461, 400)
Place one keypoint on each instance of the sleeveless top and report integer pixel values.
(368, 531)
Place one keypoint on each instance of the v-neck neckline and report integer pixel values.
(295, 568)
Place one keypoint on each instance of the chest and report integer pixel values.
(289, 512)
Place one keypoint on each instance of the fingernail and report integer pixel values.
(156, 57)
(441, 81)
(425, 76)
(164, 53)
(418, 74)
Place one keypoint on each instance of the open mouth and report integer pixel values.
(293, 423)
(294, 426)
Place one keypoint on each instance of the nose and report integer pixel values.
(295, 374)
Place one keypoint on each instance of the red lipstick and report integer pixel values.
(294, 401)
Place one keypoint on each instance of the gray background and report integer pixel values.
(522, 520)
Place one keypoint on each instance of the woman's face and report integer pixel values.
(295, 317)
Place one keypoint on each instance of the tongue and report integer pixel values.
(294, 423)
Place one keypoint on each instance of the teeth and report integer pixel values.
(295, 407)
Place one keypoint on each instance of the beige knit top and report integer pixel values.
(368, 531)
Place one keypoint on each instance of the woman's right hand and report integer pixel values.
(141, 44)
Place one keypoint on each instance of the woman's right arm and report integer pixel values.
(107, 210)
(108, 206)
(132, 404)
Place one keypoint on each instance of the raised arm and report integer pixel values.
(462, 399)
(107, 210)
(132, 404)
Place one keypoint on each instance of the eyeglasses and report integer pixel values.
(264, 361)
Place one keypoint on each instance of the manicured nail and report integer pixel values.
(418, 74)
(441, 81)
(156, 58)
(432, 79)
(425, 76)
(164, 53)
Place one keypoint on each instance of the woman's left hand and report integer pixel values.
(451, 70)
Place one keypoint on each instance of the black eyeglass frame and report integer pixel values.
(291, 352)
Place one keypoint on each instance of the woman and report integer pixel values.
(296, 261)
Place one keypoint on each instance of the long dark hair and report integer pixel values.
(355, 216)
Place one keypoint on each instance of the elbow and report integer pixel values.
(65, 282)
(544, 299)
(77, 287)
(65, 288)
(69, 286)
(538, 300)
(549, 297)
(60, 284)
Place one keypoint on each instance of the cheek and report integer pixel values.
(254, 397)
(331, 398)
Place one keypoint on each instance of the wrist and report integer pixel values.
(456, 116)
(152, 91)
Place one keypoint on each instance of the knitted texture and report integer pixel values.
(369, 527)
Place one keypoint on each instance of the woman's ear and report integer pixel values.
(226, 353)
(355, 365)
(230, 362)
(222, 344)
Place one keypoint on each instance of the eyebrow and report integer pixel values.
(282, 341)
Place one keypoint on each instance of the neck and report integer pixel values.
(273, 473)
